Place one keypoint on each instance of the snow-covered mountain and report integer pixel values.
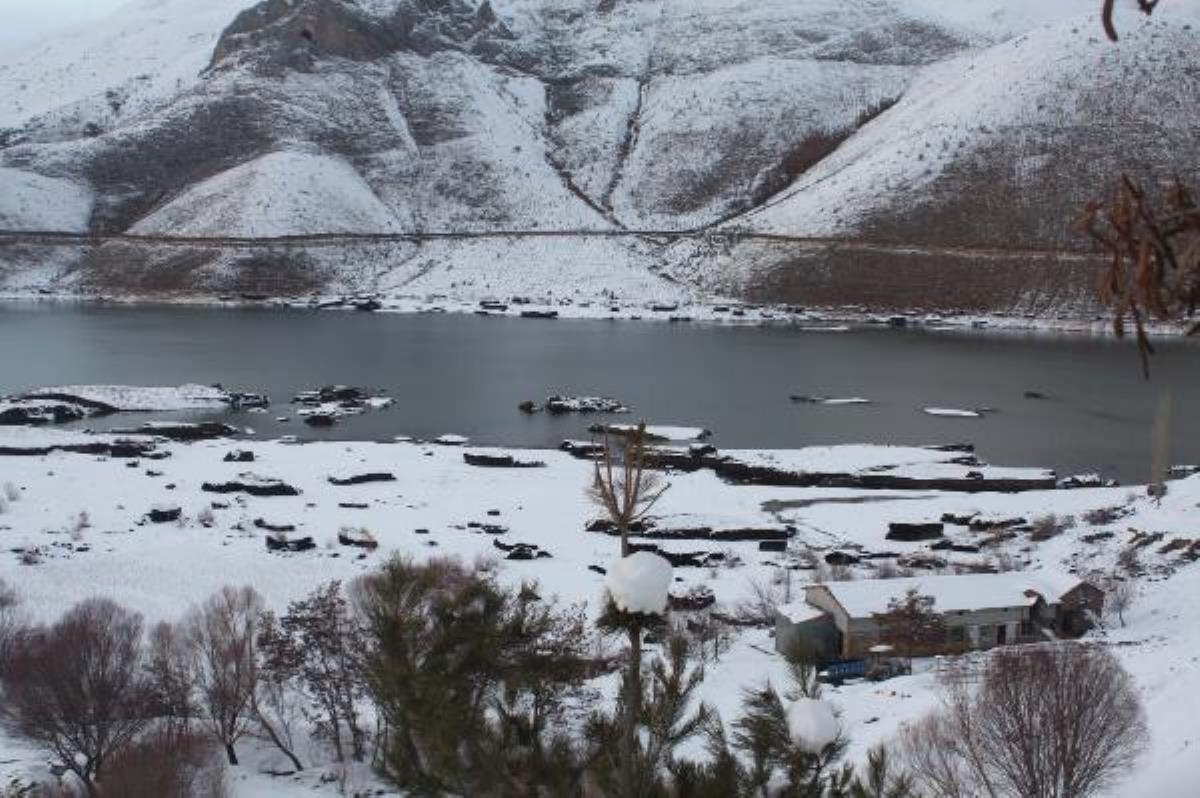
(919, 122)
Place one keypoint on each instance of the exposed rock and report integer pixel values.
(772, 545)
(559, 405)
(912, 533)
(262, 524)
(357, 538)
(363, 479)
(521, 551)
(252, 485)
(499, 461)
(239, 456)
(695, 600)
(287, 545)
(924, 562)
(681, 559)
(993, 524)
(583, 450)
(163, 514)
(181, 431)
(118, 449)
(320, 419)
(539, 314)
(841, 558)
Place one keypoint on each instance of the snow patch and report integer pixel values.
(640, 583)
(34, 202)
(281, 193)
(812, 724)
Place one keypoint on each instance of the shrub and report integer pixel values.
(77, 687)
(1086, 733)
(225, 668)
(469, 679)
(1050, 526)
(167, 765)
(1102, 516)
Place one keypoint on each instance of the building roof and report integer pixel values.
(800, 612)
(964, 592)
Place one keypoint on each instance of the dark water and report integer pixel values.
(466, 375)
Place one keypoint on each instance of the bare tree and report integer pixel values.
(1155, 257)
(11, 620)
(225, 665)
(1119, 594)
(275, 701)
(1109, 8)
(322, 643)
(911, 625)
(1049, 722)
(77, 687)
(168, 667)
(622, 486)
(164, 764)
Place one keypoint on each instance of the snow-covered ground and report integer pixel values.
(85, 517)
(141, 55)
(281, 193)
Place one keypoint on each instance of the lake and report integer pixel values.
(466, 374)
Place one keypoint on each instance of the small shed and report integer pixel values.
(803, 628)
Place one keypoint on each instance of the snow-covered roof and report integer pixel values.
(964, 592)
(799, 611)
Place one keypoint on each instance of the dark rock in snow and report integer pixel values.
(353, 505)
(695, 600)
(499, 461)
(262, 524)
(283, 544)
(199, 431)
(993, 524)
(681, 559)
(239, 456)
(841, 558)
(245, 401)
(914, 532)
(560, 405)
(539, 314)
(363, 479)
(320, 419)
(522, 551)
(584, 450)
(164, 514)
(772, 545)
(252, 485)
(357, 538)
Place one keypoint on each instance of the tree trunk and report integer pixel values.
(229, 752)
(633, 712)
(273, 736)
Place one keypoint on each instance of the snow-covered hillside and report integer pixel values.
(31, 201)
(914, 122)
(277, 194)
(145, 53)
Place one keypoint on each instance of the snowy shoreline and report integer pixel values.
(731, 313)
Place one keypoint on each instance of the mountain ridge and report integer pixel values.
(526, 115)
